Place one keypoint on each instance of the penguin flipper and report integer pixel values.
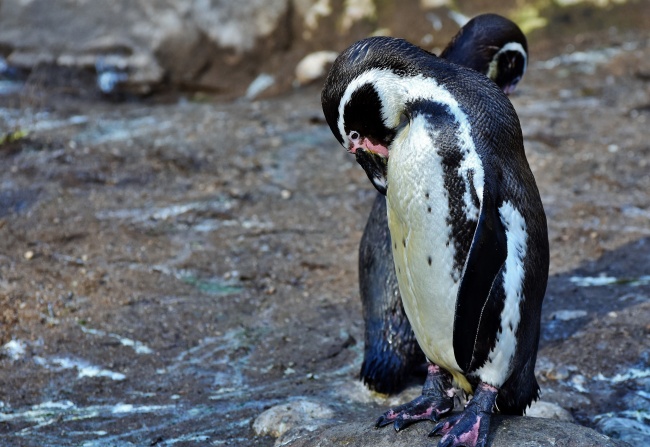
(480, 292)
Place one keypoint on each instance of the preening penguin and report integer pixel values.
(496, 47)
(468, 229)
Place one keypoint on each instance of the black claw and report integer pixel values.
(449, 442)
(436, 429)
(382, 421)
(401, 423)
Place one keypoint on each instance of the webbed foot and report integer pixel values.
(469, 428)
(437, 399)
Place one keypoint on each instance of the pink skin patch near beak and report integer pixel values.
(358, 142)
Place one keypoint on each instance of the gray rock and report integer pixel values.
(281, 418)
(210, 45)
(567, 315)
(506, 431)
(548, 410)
(148, 40)
(314, 66)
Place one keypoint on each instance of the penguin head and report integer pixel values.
(364, 113)
(492, 45)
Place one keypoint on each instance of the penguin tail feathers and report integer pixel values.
(519, 391)
(388, 372)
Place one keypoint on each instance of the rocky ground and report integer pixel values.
(171, 268)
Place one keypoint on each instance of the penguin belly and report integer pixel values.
(423, 251)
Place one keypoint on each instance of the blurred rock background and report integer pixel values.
(178, 266)
(230, 48)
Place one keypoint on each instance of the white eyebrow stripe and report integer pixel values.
(513, 46)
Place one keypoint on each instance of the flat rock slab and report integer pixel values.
(507, 431)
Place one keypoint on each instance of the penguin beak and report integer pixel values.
(376, 167)
(373, 158)
(510, 88)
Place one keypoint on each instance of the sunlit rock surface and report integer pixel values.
(504, 432)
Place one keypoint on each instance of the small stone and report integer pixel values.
(14, 349)
(262, 82)
(578, 382)
(559, 373)
(277, 420)
(314, 66)
(549, 410)
(285, 194)
(29, 254)
(567, 315)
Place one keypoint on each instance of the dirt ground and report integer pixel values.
(171, 268)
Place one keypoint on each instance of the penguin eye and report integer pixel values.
(354, 135)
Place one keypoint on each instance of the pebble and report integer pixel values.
(548, 410)
(277, 420)
(313, 66)
(259, 84)
(560, 373)
(567, 315)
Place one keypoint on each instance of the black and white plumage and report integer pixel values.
(468, 228)
(496, 47)
(492, 45)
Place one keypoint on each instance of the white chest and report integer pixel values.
(418, 212)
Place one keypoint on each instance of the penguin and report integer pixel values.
(492, 45)
(469, 238)
(496, 47)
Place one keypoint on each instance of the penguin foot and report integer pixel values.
(469, 428)
(437, 399)
(420, 409)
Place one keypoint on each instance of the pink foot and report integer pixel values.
(437, 399)
(471, 427)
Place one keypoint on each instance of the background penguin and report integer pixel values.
(496, 47)
(468, 229)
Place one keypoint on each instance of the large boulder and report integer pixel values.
(506, 431)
